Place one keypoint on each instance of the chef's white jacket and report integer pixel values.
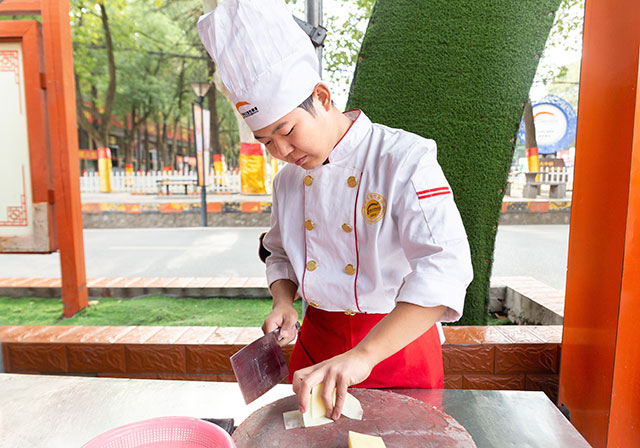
(376, 225)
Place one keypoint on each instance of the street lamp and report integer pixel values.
(200, 88)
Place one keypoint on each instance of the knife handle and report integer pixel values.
(276, 332)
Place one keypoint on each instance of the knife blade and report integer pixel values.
(260, 365)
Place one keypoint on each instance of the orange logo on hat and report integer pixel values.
(240, 104)
(247, 113)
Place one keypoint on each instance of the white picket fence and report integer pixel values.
(549, 174)
(155, 182)
(556, 174)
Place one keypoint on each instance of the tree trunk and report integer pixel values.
(136, 151)
(161, 143)
(110, 94)
(129, 136)
(214, 127)
(176, 121)
(88, 126)
(147, 152)
(529, 126)
(176, 136)
(189, 144)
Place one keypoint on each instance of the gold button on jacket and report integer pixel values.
(308, 180)
(308, 225)
(349, 269)
(350, 313)
(352, 181)
(313, 304)
(312, 265)
(346, 227)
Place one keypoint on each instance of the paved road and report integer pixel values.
(539, 251)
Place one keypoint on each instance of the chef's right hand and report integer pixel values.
(284, 315)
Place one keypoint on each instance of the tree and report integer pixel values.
(564, 40)
(134, 60)
(464, 84)
(92, 27)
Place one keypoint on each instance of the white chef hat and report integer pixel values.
(265, 60)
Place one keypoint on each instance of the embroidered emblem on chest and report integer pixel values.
(373, 208)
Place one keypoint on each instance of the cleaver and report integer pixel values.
(260, 365)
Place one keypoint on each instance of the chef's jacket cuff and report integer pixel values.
(279, 271)
(431, 292)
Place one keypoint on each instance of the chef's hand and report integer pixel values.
(337, 373)
(283, 314)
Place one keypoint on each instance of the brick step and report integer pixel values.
(127, 287)
(505, 357)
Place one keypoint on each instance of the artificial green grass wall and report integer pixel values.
(459, 72)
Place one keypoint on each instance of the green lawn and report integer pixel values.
(156, 310)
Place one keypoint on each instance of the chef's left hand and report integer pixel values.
(337, 373)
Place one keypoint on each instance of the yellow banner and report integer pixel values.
(252, 174)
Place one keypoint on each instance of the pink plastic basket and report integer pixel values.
(164, 432)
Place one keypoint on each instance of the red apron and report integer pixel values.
(326, 334)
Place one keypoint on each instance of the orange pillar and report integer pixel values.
(599, 382)
(63, 137)
(624, 421)
(104, 169)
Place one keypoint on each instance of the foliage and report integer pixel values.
(458, 72)
(346, 22)
(156, 52)
(155, 46)
(345, 34)
(565, 42)
(155, 310)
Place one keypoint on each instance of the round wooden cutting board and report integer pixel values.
(401, 421)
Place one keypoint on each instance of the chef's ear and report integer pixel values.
(263, 253)
(322, 94)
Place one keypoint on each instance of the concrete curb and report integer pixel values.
(131, 293)
(257, 214)
(535, 212)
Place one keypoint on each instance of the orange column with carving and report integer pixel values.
(64, 149)
(598, 380)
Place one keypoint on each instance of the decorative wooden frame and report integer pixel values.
(28, 34)
(20, 7)
(60, 138)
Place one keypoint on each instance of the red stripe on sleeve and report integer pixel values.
(432, 190)
(430, 195)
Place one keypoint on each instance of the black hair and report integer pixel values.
(308, 105)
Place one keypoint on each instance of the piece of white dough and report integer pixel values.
(316, 405)
(315, 415)
(314, 421)
(358, 440)
(352, 408)
(293, 419)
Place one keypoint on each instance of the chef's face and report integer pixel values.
(300, 137)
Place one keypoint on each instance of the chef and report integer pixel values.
(364, 226)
